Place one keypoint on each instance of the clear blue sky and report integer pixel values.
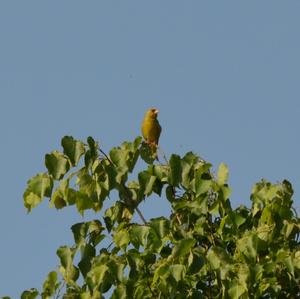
(224, 74)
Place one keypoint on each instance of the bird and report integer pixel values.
(151, 128)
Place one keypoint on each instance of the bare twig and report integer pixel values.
(163, 155)
(60, 289)
(106, 156)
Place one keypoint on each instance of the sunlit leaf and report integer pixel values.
(57, 164)
(236, 289)
(177, 271)
(223, 174)
(68, 270)
(121, 238)
(38, 187)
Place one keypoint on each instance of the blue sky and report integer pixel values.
(225, 76)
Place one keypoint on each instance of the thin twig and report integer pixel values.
(60, 289)
(141, 215)
(106, 156)
(163, 155)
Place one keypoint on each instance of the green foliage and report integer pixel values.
(204, 249)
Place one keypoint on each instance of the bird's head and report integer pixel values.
(152, 112)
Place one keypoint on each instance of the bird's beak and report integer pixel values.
(156, 111)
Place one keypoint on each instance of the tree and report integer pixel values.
(204, 249)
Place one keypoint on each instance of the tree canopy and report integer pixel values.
(204, 249)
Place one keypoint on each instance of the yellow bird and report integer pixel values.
(151, 128)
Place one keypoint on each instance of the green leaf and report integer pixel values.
(161, 172)
(30, 294)
(223, 174)
(92, 153)
(283, 256)
(124, 157)
(186, 174)
(218, 257)
(79, 232)
(121, 238)
(146, 181)
(177, 271)
(119, 157)
(96, 276)
(38, 187)
(83, 202)
(161, 226)
(139, 235)
(73, 149)
(296, 259)
(236, 289)
(119, 292)
(183, 247)
(175, 170)
(170, 193)
(57, 164)
(190, 158)
(201, 186)
(239, 216)
(116, 268)
(50, 285)
(63, 195)
(68, 270)
(147, 153)
(250, 245)
(266, 217)
(95, 230)
(161, 272)
(87, 253)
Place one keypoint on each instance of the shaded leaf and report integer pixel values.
(175, 170)
(161, 226)
(139, 235)
(73, 149)
(96, 276)
(83, 202)
(50, 285)
(148, 153)
(30, 294)
(146, 181)
(183, 247)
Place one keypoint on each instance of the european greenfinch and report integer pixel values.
(151, 128)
